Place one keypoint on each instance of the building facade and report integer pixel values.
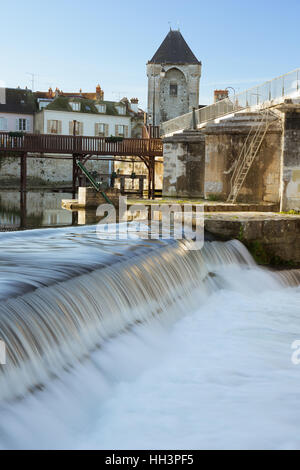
(17, 108)
(173, 80)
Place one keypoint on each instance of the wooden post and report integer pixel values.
(153, 178)
(23, 210)
(23, 181)
(141, 186)
(74, 176)
(23, 172)
(122, 184)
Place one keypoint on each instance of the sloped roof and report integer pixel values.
(18, 101)
(174, 50)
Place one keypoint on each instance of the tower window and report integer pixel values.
(173, 89)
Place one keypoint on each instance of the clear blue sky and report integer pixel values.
(75, 44)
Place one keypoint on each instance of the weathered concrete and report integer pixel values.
(290, 165)
(271, 238)
(88, 198)
(223, 144)
(184, 165)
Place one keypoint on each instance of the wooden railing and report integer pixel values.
(67, 144)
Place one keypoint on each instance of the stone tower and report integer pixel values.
(173, 80)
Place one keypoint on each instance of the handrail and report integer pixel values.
(284, 86)
(67, 144)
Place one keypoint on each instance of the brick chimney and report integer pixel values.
(134, 104)
(99, 92)
(220, 95)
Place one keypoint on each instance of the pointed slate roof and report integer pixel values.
(174, 50)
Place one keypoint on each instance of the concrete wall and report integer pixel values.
(223, 144)
(290, 187)
(184, 165)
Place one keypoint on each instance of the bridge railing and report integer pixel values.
(285, 86)
(67, 144)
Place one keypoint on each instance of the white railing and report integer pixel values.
(264, 95)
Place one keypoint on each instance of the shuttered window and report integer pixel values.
(78, 128)
(54, 126)
(101, 129)
(121, 130)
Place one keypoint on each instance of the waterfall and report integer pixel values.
(64, 292)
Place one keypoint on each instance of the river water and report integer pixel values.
(145, 345)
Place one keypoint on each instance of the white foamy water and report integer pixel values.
(209, 368)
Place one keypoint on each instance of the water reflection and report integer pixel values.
(34, 209)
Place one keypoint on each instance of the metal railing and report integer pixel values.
(264, 95)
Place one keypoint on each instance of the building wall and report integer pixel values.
(88, 120)
(223, 144)
(290, 187)
(44, 170)
(163, 106)
(184, 161)
(11, 118)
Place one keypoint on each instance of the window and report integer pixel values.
(43, 104)
(121, 131)
(75, 106)
(21, 124)
(101, 108)
(3, 124)
(75, 126)
(173, 89)
(101, 130)
(53, 126)
(121, 109)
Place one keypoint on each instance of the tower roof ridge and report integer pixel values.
(174, 50)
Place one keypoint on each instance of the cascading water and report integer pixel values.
(67, 297)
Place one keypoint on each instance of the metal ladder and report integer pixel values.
(95, 185)
(248, 153)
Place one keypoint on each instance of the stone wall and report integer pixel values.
(271, 238)
(43, 170)
(161, 104)
(290, 187)
(184, 165)
(223, 145)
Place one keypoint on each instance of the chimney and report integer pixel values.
(134, 104)
(220, 95)
(99, 92)
(2, 95)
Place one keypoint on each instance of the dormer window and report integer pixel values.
(75, 106)
(44, 103)
(121, 109)
(101, 108)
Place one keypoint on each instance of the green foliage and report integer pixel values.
(114, 139)
(214, 197)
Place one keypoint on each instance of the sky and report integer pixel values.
(73, 44)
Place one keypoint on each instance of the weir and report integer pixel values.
(82, 291)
